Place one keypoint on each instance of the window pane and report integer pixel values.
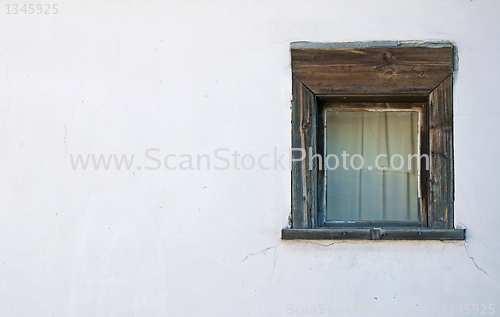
(366, 192)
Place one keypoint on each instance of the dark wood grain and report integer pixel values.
(399, 98)
(396, 70)
(424, 163)
(304, 129)
(441, 181)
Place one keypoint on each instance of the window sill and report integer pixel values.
(373, 234)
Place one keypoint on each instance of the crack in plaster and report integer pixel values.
(140, 300)
(477, 266)
(339, 242)
(264, 251)
(259, 304)
(326, 245)
(248, 314)
(76, 98)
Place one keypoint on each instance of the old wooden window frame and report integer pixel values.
(392, 72)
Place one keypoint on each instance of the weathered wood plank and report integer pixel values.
(312, 186)
(441, 159)
(400, 98)
(299, 206)
(372, 56)
(304, 129)
(424, 163)
(395, 70)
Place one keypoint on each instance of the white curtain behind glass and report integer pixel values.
(372, 195)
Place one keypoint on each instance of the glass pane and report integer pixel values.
(364, 191)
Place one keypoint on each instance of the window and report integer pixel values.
(364, 118)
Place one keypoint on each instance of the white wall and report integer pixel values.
(189, 77)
